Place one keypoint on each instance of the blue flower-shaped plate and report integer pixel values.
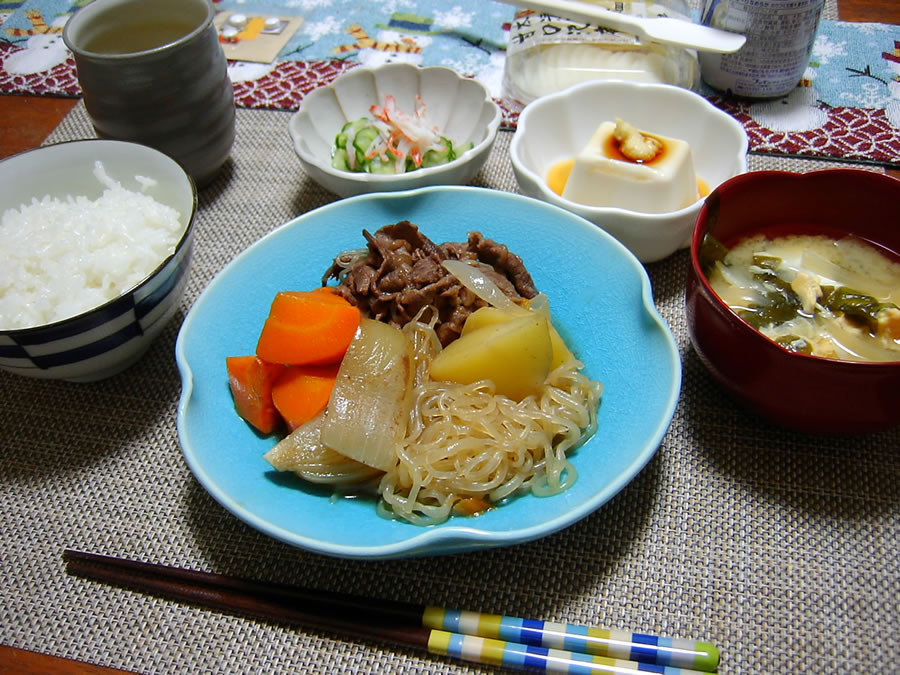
(602, 304)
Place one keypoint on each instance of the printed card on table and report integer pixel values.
(251, 37)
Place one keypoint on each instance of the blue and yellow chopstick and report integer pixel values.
(513, 655)
(615, 644)
(483, 638)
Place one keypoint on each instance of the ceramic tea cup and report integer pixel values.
(154, 73)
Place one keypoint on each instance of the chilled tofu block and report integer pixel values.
(631, 169)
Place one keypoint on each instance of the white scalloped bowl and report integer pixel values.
(558, 126)
(460, 107)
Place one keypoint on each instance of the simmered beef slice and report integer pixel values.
(504, 262)
(402, 273)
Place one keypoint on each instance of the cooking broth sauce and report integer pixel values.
(835, 298)
(559, 172)
(558, 175)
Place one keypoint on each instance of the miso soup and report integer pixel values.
(833, 298)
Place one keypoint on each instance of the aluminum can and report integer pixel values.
(780, 38)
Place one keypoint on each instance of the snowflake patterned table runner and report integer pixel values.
(847, 106)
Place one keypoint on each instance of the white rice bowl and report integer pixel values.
(65, 256)
(97, 240)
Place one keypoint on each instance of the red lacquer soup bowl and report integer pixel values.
(795, 390)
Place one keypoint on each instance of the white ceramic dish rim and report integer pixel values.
(597, 212)
(185, 237)
(376, 178)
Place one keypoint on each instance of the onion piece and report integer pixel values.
(368, 412)
(303, 453)
(739, 290)
(857, 346)
(481, 285)
(540, 303)
(841, 276)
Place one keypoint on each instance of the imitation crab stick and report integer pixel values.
(302, 392)
(307, 327)
(251, 380)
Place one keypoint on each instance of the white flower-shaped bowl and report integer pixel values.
(558, 126)
(461, 108)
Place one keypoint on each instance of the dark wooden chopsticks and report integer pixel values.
(483, 638)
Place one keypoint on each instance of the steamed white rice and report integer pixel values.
(62, 257)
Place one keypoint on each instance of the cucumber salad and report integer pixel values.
(392, 141)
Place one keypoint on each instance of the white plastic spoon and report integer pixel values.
(659, 29)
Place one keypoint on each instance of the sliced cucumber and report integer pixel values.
(348, 139)
(448, 154)
(436, 157)
(350, 128)
(339, 160)
(358, 136)
(364, 137)
(378, 165)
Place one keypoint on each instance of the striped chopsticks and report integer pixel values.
(489, 639)
(561, 641)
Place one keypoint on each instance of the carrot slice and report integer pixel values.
(307, 327)
(302, 392)
(251, 380)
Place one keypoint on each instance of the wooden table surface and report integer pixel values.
(25, 121)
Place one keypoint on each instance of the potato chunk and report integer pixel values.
(515, 355)
(489, 316)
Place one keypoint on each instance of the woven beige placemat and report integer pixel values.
(781, 548)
